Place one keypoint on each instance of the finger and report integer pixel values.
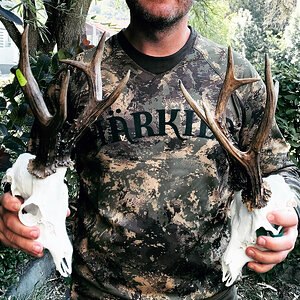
(285, 242)
(11, 203)
(68, 212)
(6, 242)
(12, 222)
(260, 268)
(285, 218)
(11, 239)
(266, 257)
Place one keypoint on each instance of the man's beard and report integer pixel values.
(153, 23)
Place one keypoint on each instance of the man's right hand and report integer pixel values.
(12, 232)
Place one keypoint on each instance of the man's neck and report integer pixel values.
(159, 44)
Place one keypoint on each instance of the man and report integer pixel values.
(155, 184)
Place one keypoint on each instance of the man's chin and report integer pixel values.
(160, 15)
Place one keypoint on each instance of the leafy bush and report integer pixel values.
(288, 107)
(10, 259)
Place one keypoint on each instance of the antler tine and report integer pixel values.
(269, 112)
(116, 93)
(31, 89)
(92, 69)
(97, 57)
(210, 121)
(89, 116)
(93, 72)
(256, 193)
(96, 68)
(222, 138)
(193, 103)
(61, 115)
(229, 86)
(34, 96)
(276, 89)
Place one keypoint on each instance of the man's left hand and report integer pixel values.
(277, 248)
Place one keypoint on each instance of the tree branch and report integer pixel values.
(12, 31)
(50, 24)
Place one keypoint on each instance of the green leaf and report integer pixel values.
(43, 62)
(290, 97)
(290, 111)
(3, 129)
(47, 78)
(2, 104)
(282, 120)
(8, 15)
(294, 144)
(23, 110)
(14, 143)
(12, 146)
(4, 161)
(11, 90)
(18, 114)
(64, 54)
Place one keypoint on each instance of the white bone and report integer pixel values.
(45, 206)
(244, 225)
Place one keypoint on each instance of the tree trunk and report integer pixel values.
(71, 23)
(65, 23)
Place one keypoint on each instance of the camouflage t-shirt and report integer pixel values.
(155, 183)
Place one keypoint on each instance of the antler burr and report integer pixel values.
(255, 193)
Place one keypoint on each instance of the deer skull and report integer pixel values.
(39, 178)
(244, 225)
(45, 206)
(258, 196)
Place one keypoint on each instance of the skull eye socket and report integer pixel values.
(30, 215)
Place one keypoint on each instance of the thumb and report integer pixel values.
(11, 203)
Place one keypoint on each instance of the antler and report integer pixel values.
(34, 96)
(54, 140)
(95, 106)
(256, 194)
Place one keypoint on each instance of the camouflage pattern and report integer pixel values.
(155, 183)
